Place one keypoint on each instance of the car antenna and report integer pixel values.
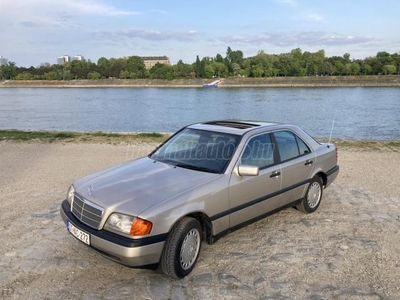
(333, 123)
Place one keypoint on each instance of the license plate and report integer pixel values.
(79, 234)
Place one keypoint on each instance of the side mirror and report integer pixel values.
(247, 170)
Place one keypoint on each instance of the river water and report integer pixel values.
(361, 113)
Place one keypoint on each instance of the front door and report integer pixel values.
(253, 196)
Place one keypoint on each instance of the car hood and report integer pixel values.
(137, 185)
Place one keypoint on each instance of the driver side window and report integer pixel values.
(259, 152)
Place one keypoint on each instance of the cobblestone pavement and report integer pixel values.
(348, 249)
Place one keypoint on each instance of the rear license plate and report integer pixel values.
(79, 234)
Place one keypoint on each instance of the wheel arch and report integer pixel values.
(323, 177)
(205, 222)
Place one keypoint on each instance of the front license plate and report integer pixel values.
(79, 234)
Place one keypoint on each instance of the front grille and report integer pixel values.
(87, 212)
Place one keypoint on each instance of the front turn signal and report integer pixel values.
(140, 227)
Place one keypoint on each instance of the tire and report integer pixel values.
(182, 248)
(313, 196)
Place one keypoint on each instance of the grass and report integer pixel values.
(150, 135)
(95, 137)
(366, 145)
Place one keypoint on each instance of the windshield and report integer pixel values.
(198, 150)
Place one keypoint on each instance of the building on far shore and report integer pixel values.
(77, 57)
(61, 60)
(151, 61)
(3, 61)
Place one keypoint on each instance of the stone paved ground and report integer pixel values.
(348, 249)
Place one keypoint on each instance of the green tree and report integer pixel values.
(219, 58)
(233, 57)
(220, 70)
(103, 65)
(8, 71)
(327, 68)
(366, 69)
(311, 63)
(375, 64)
(257, 72)
(162, 71)
(52, 75)
(125, 75)
(94, 75)
(354, 68)
(198, 67)
(182, 70)
(116, 65)
(296, 63)
(384, 58)
(135, 65)
(25, 76)
(389, 69)
(203, 65)
(236, 69)
(80, 69)
(284, 64)
(346, 58)
(209, 71)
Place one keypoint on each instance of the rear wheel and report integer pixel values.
(313, 196)
(182, 248)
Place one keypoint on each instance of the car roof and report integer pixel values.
(238, 127)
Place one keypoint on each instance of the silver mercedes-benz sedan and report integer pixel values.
(205, 181)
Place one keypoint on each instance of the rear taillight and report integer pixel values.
(336, 154)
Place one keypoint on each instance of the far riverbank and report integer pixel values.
(269, 82)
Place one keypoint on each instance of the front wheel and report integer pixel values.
(182, 248)
(313, 196)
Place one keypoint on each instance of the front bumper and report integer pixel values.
(130, 252)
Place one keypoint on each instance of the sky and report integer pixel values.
(38, 31)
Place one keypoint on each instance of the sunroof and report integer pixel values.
(233, 124)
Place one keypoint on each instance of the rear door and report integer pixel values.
(297, 163)
(252, 196)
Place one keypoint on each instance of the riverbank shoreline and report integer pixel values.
(115, 138)
(237, 82)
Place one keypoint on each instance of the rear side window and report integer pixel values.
(290, 145)
(303, 148)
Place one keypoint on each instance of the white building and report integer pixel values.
(77, 57)
(3, 61)
(63, 59)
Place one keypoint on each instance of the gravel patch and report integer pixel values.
(348, 249)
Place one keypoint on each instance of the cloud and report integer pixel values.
(309, 38)
(151, 35)
(28, 24)
(289, 2)
(91, 7)
(47, 13)
(75, 7)
(315, 17)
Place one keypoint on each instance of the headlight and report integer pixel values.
(70, 194)
(128, 225)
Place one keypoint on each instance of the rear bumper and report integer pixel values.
(130, 252)
(331, 175)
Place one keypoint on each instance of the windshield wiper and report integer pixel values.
(197, 168)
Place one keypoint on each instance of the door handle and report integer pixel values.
(309, 162)
(275, 174)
